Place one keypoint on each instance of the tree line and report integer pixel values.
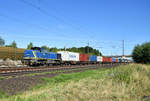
(13, 44)
(86, 49)
(140, 54)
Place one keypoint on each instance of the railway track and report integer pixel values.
(27, 70)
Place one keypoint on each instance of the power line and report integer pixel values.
(28, 24)
(48, 14)
(122, 48)
(39, 1)
(14, 19)
(88, 47)
(19, 21)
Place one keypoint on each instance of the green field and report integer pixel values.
(123, 83)
(11, 53)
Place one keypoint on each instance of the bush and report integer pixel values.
(141, 53)
(2, 42)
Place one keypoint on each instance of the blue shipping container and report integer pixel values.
(114, 59)
(93, 58)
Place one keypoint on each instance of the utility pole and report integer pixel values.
(65, 47)
(88, 47)
(122, 48)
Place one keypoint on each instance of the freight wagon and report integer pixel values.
(99, 59)
(107, 59)
(83, 58)
(93, 59)
(69, 57)
(114, 60)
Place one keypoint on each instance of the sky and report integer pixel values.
(58, 23)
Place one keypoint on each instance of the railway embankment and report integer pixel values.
(10, 63)
(123, 83)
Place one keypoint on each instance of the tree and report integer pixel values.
(46, 48)
(2, 42)
(53, 49)
(14, 44)
(141, 53)
(30, 45)
(137, 54)
(86, 49)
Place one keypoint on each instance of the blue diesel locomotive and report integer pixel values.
(40, 56)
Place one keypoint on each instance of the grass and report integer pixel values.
(1, 78)
(3, 95)
(124, 83)
(50, 72)
(66, 78)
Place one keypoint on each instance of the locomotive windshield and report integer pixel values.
(39, 49)
(36, 48)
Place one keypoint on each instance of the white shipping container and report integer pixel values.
(99, 58)
(69, 56)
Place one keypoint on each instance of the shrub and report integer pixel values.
(2, 42)
(141, 53)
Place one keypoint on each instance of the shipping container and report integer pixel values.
(110, 59)
(69, 56)
(107, 59)
(114, 59)
(93, 58)
(84, 57)
(99, 58)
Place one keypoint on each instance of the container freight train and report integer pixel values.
(38, 56)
